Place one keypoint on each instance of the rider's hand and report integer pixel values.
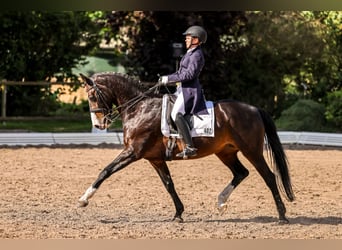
(163, 80)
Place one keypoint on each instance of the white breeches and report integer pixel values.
(178, 107)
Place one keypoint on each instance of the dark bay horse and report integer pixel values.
(238, 127)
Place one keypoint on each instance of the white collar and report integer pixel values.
(192, 49)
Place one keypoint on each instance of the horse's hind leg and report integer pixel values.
(231, 160)
(265, 172)
(165, 176)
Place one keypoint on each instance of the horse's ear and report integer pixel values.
(87, 79)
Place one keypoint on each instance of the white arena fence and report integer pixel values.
(36, 139)
(49, 139)
(311, 138)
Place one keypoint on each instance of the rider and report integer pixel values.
(190, 99)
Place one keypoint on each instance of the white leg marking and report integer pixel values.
(223, 197)
(83, 201)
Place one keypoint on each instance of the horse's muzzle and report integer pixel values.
(99, 123)
(101, 126)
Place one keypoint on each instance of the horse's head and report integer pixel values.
(111, 95)
(99, 107)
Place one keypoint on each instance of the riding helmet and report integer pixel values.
(197, 31)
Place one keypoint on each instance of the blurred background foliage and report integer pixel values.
(276, 60)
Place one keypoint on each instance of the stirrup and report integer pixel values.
(188, 151)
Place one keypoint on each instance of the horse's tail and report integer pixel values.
(277, 155)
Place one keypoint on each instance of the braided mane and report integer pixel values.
(124, 77)
(130, 82)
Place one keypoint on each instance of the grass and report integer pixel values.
(51, 125)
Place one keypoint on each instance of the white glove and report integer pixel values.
(163, 79)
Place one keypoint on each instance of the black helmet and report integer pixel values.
(197, 31)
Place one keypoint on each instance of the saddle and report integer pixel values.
(200, 125)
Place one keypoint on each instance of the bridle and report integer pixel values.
(99, 96)
(111, 114)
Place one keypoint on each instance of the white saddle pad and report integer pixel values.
(203, 125)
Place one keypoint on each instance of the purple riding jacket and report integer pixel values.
(189, 70)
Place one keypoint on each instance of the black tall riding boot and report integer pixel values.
(184, 131)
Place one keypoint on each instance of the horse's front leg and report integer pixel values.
(165, 176)
(126, 157)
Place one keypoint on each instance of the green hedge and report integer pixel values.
(333, 111)
(304, 115)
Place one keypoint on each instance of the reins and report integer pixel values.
(114, 113)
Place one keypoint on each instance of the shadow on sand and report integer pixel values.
(301, 220)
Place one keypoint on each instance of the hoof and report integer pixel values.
(83, 203)
(178, 219)
(222, 208)
(283, 221)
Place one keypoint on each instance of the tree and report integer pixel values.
(283, 47)
(326, 67)
(269, 59)
(37, 45)
(146, 38)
